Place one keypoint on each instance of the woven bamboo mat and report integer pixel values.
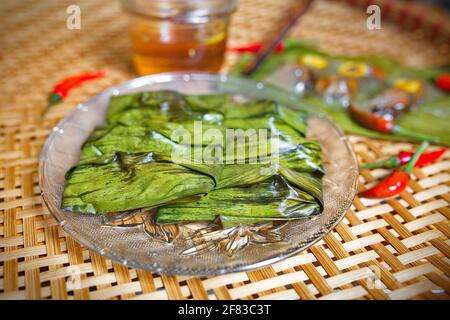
(394, 249)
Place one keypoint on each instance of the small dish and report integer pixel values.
(132, 244)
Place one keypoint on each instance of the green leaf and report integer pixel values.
(128, 164)
(126, 184)
(273, 199)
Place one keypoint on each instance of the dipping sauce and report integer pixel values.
(178, 35)
(161, 46)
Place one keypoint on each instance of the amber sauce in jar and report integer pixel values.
(163, 45)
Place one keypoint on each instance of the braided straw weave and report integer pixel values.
(394, 249)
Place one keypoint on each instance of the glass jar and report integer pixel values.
(176, 35)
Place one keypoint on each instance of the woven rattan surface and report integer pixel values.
(394, 249)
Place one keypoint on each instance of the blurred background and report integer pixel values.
(38, 49)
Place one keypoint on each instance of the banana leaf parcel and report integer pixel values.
(145, 157)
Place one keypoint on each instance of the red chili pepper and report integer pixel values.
(62, 88)
(403, 158)
(255, 47)
(385, 125)
(424, 159)
(370, 120)
(397, 181)
(443, 82)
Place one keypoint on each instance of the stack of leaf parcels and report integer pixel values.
(129, 163)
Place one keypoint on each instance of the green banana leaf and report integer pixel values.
(273, 199)
(429, 118)
(128, 163)
(119, 186)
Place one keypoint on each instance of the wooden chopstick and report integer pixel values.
(283, 28)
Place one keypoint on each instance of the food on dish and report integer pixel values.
(369, 95)
(196, 158)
